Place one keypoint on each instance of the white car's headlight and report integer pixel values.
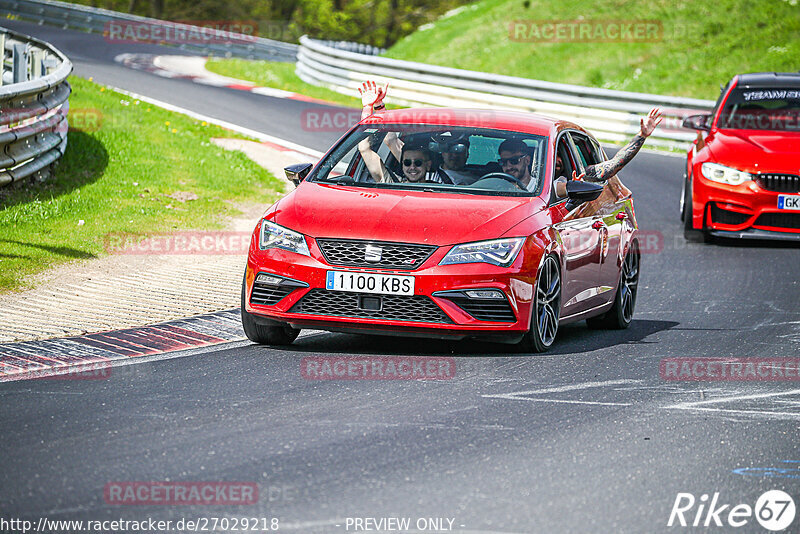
(500, 252)
(725, 175)
(275, 236)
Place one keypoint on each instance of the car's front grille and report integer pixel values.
(418, 308)
(268, 295)
(779, 220)
(781, 183)
(721, 216)
(492, 310)
(380, 254)
(269, 289)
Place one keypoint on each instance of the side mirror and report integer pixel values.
(296, 173)
(580, 191)
(697, 122)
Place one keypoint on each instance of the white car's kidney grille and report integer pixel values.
(417, 308)
(378, 254)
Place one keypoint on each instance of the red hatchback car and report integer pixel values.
(743, 172)
(480, 254)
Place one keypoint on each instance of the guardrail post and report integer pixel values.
(2, 56)
(49, 63)
(19, 68)
(38, 64)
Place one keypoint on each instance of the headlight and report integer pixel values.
(726, 175)
(500, 252)
(274, 236)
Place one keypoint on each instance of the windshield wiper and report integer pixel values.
(346, 180)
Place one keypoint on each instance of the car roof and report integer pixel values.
(769, 79)
(517, 121)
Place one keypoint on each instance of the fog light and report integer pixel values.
(485, 294)
(268, 279)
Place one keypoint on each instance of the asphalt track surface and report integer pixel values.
(593, 441)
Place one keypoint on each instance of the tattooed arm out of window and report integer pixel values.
(601, 172)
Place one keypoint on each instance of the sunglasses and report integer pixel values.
(510, 161)
(416, 162)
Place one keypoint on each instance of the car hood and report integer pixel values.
(327, 210)
(757, 150)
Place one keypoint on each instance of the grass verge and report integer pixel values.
(700, 45)
(279, 76)
(130, 168)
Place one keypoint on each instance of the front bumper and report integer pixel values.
(743, 211)
(437, 309)
(753, 233)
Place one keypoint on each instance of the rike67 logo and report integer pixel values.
(774, 510)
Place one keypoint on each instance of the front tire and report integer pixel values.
(546, 308)
(689, 233)
(272, 334)
(620, 315)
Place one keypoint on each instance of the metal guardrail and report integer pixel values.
(33, 107)
(611, 115)
(358, 48)
(102, 21)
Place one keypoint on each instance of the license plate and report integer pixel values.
(789, 202)
(383, 284)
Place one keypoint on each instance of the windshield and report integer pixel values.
(762, 109)
(438, 159)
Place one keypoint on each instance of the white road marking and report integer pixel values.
(524, 395)
(741, 397)
(270, 91)
(566, 401)
(703, 405)
(791, 415)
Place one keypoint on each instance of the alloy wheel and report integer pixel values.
(630, 282)
(548, 301)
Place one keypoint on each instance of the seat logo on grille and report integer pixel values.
(372, 253)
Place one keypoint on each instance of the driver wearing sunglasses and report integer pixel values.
(415, 161)
(515, 159)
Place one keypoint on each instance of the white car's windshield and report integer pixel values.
(438, 159)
